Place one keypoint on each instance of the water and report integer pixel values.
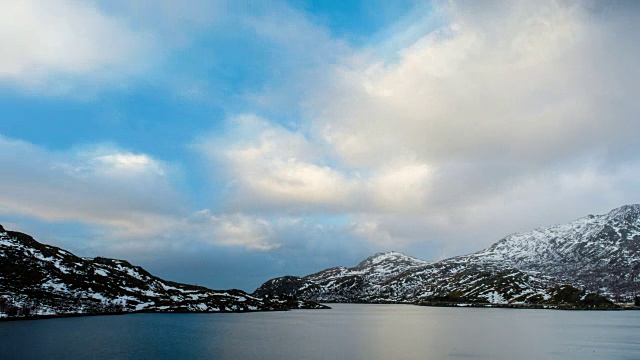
(347, 331)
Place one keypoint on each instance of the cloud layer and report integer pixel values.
(442, 134)
(51, 46)
(99, 184)
(506, 107)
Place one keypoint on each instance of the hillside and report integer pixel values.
(38, 279)
(585, 263)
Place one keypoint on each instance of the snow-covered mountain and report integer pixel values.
(599, 253)
(341, 283)
(559, 264)
(39, 279)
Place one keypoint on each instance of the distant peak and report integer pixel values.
(627, 208)
(2, 229)
(386, 253)
(383, 257)
(625, 212)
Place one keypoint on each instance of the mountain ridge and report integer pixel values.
(597, 254)
(44, 280)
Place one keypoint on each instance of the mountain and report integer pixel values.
(39, 279)
(584, 264)
(341, 283)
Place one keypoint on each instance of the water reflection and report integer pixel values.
(345, 332)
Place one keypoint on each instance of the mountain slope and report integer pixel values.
(341, 283)
(597, 254)
(41, 279)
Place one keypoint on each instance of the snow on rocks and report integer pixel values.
(599, 254)
(40, 279)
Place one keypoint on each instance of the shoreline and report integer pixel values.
(433, 304)
(532, 306)
(70, 315)
(490, 305)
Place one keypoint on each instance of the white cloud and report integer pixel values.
(400, 187)
(234, 230)
(510, 116)
(270, 166)
(502, 94)
(465, 92)
(503, 119)
(101, 185)
(371, 231)
(52, 46)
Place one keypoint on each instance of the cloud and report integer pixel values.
(520, 88)
(130, 200)
(51, 46)
(77, 48)
(455, 129)
(269, 166)
(234, 230)
(300, 53)
(98, 184)
(277, 246)
(495, 121)
(400, 187)
(499, 95)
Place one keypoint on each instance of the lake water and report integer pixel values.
(347, 331)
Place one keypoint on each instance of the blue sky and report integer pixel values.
(225, 143)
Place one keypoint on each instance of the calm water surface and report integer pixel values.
(345, 332)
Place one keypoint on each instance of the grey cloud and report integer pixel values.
(99, 185)
(196, 251)
(523, 114)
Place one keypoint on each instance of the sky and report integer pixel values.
(224, 143)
